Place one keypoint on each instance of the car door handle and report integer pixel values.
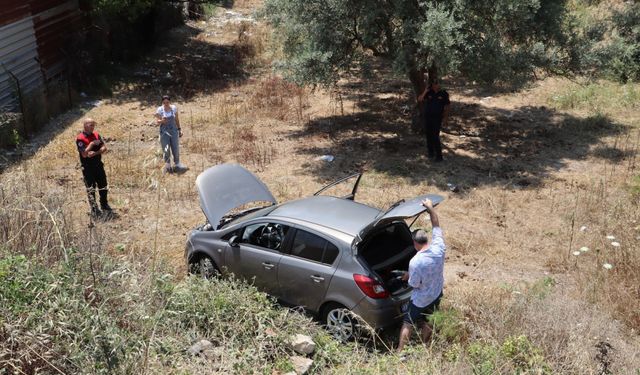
(267, 265)
(317, 279)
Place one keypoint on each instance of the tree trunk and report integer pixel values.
(433, 73)
(416, 76)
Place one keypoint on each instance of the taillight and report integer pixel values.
(370, 287)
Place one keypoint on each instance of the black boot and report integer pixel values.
(95, 212)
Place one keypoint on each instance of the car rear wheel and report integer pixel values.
(205, 267)
(340, 322)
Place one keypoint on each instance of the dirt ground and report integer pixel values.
(515, 168)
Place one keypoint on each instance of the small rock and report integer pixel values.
(453, 188)
(200, 346)
(303, 344)
(301, 364)
(327, 158)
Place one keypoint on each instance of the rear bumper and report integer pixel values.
(383, 313)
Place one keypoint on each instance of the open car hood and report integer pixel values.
(401, 210)
(227, 186)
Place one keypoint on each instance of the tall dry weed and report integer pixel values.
(32, 221)
(278, 99)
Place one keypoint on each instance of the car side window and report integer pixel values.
(330, 253)
(269, 235)
(310, 246)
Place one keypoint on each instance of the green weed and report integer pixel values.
(516, 353)
(597, 97)
(524, 355)
(448, 325)
(541, 288)
(635, 186)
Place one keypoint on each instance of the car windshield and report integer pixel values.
(253, 214)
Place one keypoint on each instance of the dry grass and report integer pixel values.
(511, 227)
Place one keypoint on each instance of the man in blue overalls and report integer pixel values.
(435, 111)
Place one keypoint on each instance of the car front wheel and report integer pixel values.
(205, 267)
(340, 322)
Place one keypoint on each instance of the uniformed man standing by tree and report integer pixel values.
(91, 147)
(435, 112)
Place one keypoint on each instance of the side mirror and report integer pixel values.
(234, 241)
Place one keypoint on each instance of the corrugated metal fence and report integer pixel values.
(32, 36)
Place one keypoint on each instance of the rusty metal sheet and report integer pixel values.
(18, 53)
(32, 36)
(13, 10)
(52, 27)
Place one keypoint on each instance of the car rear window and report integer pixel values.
(313, 247)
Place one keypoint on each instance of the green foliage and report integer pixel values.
(448, 325)
(523, 354)
(210, 10)
(599, 97)
(541, 288)
(106, 316)
(131, 9)
(16, 138)
(608, 39)
(483, 358)
(19, 283)
(635, 186)
(516, 353)
(502, 40)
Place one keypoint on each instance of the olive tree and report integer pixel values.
(488, 41)
(609, 40)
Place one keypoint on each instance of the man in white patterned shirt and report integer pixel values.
(426, 276)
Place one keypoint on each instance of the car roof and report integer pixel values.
(336, 213)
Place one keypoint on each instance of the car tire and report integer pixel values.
(205, 267)
(340, 322)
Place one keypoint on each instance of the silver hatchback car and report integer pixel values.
(334, 257)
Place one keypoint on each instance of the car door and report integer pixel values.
(256, 256)
(306, 269)
(350, 194)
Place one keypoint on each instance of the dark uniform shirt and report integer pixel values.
(83, 140)
(434, 103)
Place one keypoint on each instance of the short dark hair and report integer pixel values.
(166, 97)
(420, 236)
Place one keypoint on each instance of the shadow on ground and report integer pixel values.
(516, 148)
(183, 64)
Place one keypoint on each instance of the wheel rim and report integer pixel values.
(340, 324)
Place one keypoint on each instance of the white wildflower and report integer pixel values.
(584, 249)
(615, 244)
(610, 237)
(576, 253)
(607, 266)
(583, 228)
